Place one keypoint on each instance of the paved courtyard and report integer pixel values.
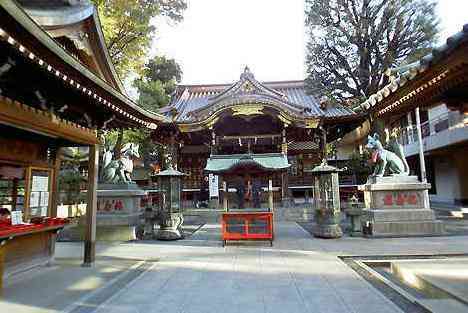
(298, 274)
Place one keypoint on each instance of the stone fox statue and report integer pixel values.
(120, 170)
(392, 158)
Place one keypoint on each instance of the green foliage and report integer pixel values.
(128, 31)
(359, 165)
(352, 43)
(147, 149)
(70, 178)
(158, 82)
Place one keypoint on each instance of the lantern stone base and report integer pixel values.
(327, 231)
(355, 215)
(327, 225)
(170, 226)
(398, 206)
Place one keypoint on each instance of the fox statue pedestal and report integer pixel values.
(398, 206)
(119, 211)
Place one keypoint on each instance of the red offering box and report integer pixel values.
(247, 226)
(56, 221)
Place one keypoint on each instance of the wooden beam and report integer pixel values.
(91, 207)
(22, 116)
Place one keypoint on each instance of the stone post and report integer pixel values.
(422, 161)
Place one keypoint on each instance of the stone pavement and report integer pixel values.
(299, 274)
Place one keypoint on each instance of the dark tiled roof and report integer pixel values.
(403, 75)
(290, 95)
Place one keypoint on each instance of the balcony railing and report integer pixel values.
(445, 121)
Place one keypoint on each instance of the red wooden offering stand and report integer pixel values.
(247, 226)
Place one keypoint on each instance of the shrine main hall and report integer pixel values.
(271, 132)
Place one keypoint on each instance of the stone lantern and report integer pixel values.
(326, 201)
(170, 211)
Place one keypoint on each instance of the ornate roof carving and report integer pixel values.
(196, 104)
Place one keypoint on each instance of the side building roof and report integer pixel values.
(401, 88)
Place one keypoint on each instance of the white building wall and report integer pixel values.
(437, 111)
(446, 180)
(344, 152)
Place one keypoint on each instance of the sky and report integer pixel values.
(218, 38)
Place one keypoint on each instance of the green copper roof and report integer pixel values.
(267, 162)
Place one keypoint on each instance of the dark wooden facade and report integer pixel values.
(252, 118)
(50, 98)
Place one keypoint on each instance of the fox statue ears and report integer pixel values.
(373, 138)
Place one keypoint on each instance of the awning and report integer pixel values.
(259, 162)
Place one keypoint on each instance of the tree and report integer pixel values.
(128, 31)
(353, 42)
(158, 82)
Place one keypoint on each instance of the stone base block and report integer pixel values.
(115, 233)
(327, 231)
(406, 228)
(118, 219)
(391, 215)
(103, 233)
(168, 234)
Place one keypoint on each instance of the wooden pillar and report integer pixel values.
(173, 151)
(284, 143)
(91, 207)
(284, 188)
(270, 194)
(225, 196)
(213, 143)
(55, 195)
(2, 264)
(324, 144)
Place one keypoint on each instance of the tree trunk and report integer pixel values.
(118, 145)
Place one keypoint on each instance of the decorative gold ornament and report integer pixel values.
(248, 109)
(286, 121)
(247, 87)
(312, 123)
(211, 123)
(184, 128)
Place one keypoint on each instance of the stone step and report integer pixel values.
(437, 278)
(401, 215)
(406, 228)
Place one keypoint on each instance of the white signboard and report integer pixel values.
(213, 185)
(44, 211)
(44, 199)
(34, 199)
(16, 217)
(40, 183)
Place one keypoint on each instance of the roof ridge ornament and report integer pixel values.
(247, 74)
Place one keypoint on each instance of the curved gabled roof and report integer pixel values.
(34, 43)
(192, 103)
(65, 18)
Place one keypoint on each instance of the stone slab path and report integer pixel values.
(252, 278)
(298, 274)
